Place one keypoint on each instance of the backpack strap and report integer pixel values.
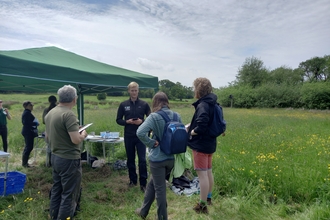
(165, 116)
(212, 111)
(166, 119)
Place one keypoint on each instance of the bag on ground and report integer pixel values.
(218, 125)
(175, 137)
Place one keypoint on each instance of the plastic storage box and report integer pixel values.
(15, 182)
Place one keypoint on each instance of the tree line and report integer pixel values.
(307, 86)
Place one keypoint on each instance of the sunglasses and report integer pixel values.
(0, 101)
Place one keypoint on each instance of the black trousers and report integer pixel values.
(4, 135)
(132, 145)
(29, 142)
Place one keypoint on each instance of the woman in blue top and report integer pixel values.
(160, 163)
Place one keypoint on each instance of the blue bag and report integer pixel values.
(175, 137)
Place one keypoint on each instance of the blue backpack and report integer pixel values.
(175, 136)
(218, 125)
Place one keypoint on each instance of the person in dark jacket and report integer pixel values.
(29, 124)
(52, 103)
(4, 115)
(201, 143)
(131, 114)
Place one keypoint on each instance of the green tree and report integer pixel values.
(285, 75)
(252, 73)
(166, 87)
(178, 91)
(146, 93)
(315, 69)
(327, 68)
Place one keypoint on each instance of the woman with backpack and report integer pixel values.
(161, 164)
(201, 142)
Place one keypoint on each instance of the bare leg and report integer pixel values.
(203, 183)
(211, 180)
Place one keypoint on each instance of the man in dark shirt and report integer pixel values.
(131, 114)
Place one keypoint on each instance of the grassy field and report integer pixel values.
(272, 164)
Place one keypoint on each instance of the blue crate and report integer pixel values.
(14, 184)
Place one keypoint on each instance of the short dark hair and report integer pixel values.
(26, 103)
(52, 99)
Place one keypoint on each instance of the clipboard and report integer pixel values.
(84, 128)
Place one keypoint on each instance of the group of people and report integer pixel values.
(137, 131)
(29, 129)
(139, 121)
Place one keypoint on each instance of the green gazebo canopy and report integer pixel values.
(46, 69)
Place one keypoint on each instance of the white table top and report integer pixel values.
(4, 154)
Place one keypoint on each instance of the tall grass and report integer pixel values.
(272, 164)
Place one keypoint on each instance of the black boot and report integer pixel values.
(25, 160)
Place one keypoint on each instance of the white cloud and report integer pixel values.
(149, 64)
(175, 40)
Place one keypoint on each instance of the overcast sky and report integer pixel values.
(178, 40)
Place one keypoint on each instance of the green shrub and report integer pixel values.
(101, 96)
(316, 95)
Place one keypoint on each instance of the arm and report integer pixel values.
(120, 115)
(202, 119)
(77, 137)
(8, 115)
(143, 133)
(44, 113)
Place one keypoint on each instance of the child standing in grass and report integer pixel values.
(200, 141)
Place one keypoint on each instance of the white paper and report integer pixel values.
(84, 128)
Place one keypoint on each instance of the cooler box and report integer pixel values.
(15, 182)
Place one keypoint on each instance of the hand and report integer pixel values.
(84, 133)
(192, 133)
(187, 126)
(156, 143)
(134, 122)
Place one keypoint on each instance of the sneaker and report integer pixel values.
(143, 189)
(201, 209)
(209, 201)
(131, 184)
(138, 212)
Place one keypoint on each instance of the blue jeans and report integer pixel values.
(132, 143)
(66, 188)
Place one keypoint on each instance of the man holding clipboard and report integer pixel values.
(64, 137)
